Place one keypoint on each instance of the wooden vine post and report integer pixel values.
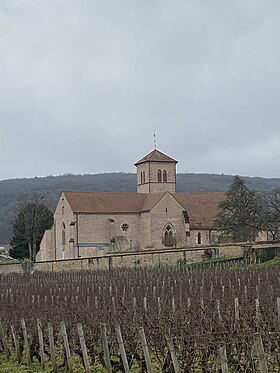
(236, 311)
(3, 341)
(122, 349)
(52, 348)
(41, 343)
(258, 312)
(223, 359)
(106, 350)
(278, 310)
(145, 304)
(83, 347)
(174, 359)
(66, 346)
(26, 342)
(260, 353)
(16, 344)
(145, 350)
(218, 305)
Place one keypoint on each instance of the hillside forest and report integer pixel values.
(14, 191)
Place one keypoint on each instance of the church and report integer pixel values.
(88, 224)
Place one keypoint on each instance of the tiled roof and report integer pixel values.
(156, 156)
(151, 200)
(95, 202)
(201, 207)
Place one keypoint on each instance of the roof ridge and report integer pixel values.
(97, 192)
(156, 156)
(212, 193)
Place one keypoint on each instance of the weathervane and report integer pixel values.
(155, 141)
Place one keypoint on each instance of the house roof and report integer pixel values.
(156, 156)
(201, 207)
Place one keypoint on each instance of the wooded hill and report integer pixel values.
(15, 190)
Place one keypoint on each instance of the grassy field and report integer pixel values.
(12, 366)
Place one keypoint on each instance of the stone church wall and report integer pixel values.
(145, 229)
(206, 237)
(151, 184)
(64, 248)
(119, 231)
(143, 185)
(167, 211)
(47, 251)
(157, 187)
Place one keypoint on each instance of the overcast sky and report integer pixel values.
(84, 84)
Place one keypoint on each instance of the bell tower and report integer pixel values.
(156, 172)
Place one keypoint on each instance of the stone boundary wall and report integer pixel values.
(129, 259)
(6, 268)
(151, 258)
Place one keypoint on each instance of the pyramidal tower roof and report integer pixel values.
(156, 156)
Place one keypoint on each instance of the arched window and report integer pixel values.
(63, 238)
(199, 238)
(164, 174)
(159, 176)
(141, 177)
(144, 177)
(169, 236)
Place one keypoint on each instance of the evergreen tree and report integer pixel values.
(271, 213)
(28, 228)
(240, 214)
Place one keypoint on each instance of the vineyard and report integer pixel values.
(143, 320)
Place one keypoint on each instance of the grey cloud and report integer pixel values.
(85, 84)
